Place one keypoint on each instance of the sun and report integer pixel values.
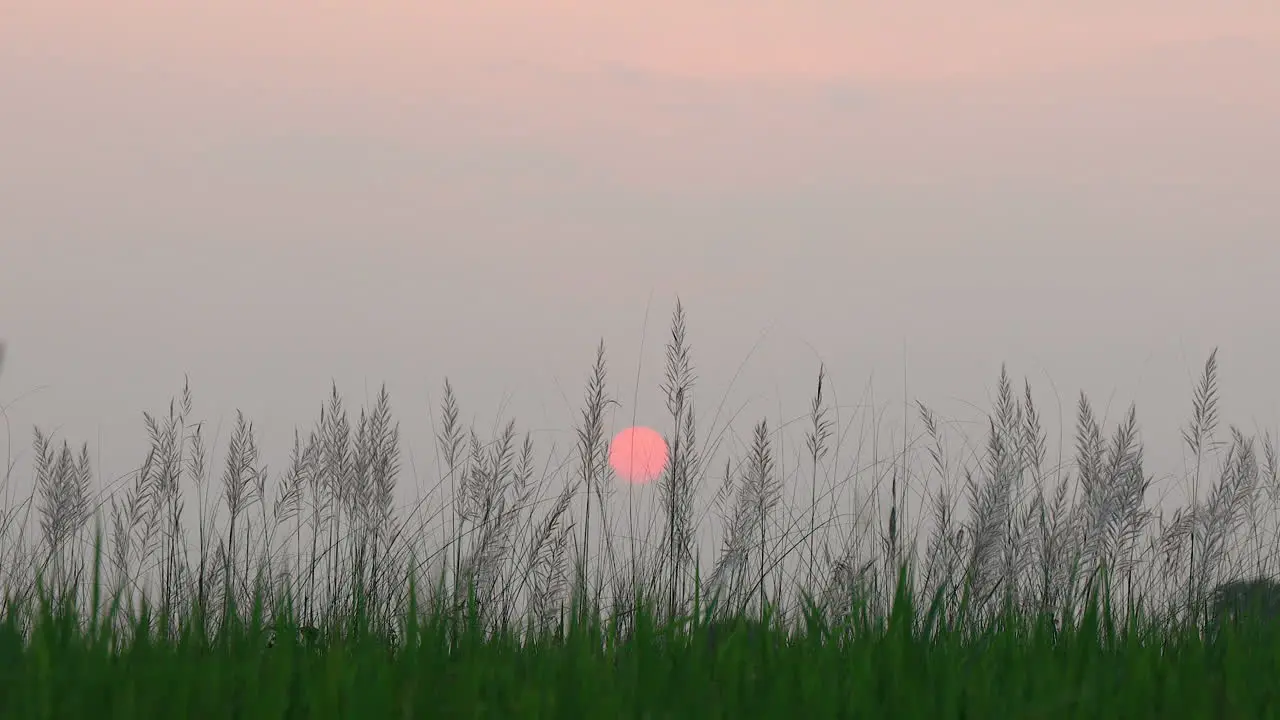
(638, 455)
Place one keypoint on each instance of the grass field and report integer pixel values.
(450, 667)
(526, 590)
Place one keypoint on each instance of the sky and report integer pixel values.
(272, 196)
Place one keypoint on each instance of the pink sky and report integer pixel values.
(390, 43)
(667, 92)
(934, 151)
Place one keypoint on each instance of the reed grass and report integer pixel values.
(528, 590)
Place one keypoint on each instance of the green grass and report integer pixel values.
(520, 585)
(440, 666)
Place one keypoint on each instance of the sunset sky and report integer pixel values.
(270, 195)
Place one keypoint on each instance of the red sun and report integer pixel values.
(638, 454)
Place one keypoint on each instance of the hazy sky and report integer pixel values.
(270, 195)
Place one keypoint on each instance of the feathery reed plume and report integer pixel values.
(1199, 437)
(816, 439)
(756, 498)
(450, 439)
(593, 454)
(676, 486)
(62, 482)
